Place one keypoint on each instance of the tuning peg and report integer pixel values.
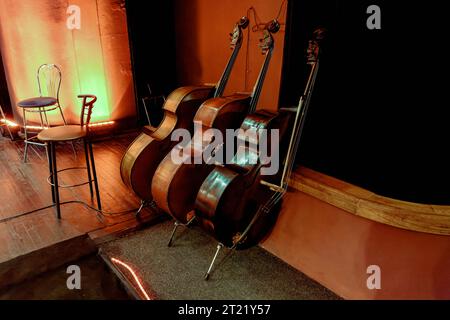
(319, 33)
(273, 26)
(244, 22)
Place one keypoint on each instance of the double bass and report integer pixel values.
(237, 203)
(145, 153)
(175, 185)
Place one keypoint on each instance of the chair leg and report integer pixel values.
(55, 180)
(46, 119)
(41, 118)
(50, 168)
(10, 133)
(88, 167)
(94, 173)
(47, 125)
(25, 153)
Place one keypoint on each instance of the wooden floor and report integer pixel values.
(23, 188)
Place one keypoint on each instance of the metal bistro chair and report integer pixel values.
(70, 133)
(49, 83)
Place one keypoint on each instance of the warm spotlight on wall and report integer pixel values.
(86, 39)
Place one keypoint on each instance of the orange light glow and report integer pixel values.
(94, 58)
(136, 278)
(101, 124)
(97, 124)
(36, 127)
(9, 123)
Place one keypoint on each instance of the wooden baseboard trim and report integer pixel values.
(432, 219)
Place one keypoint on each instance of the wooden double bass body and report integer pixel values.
(231, 194)
(149, 148)
(175, 185)
(237, 204)
(145, 153)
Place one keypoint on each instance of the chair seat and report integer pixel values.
(62, 133)
(37, 102)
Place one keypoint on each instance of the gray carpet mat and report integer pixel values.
(176, 273)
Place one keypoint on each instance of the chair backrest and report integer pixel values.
(49, 80)
(86, 109)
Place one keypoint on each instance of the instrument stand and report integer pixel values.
(176, 225)
(144, 204)
(236, 242)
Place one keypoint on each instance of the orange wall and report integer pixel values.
(335, 248)
(202, 28)
(94, 59)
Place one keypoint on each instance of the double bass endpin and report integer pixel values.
(219, 247)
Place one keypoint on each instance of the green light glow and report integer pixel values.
(33, 33)
(92, 80)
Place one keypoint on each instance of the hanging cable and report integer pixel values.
(281, 10)
(257, 26)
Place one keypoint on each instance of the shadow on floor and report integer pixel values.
(97, 283)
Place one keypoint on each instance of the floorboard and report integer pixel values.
(23, 188)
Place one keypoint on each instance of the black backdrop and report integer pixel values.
(151, 30)
(377, 118)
